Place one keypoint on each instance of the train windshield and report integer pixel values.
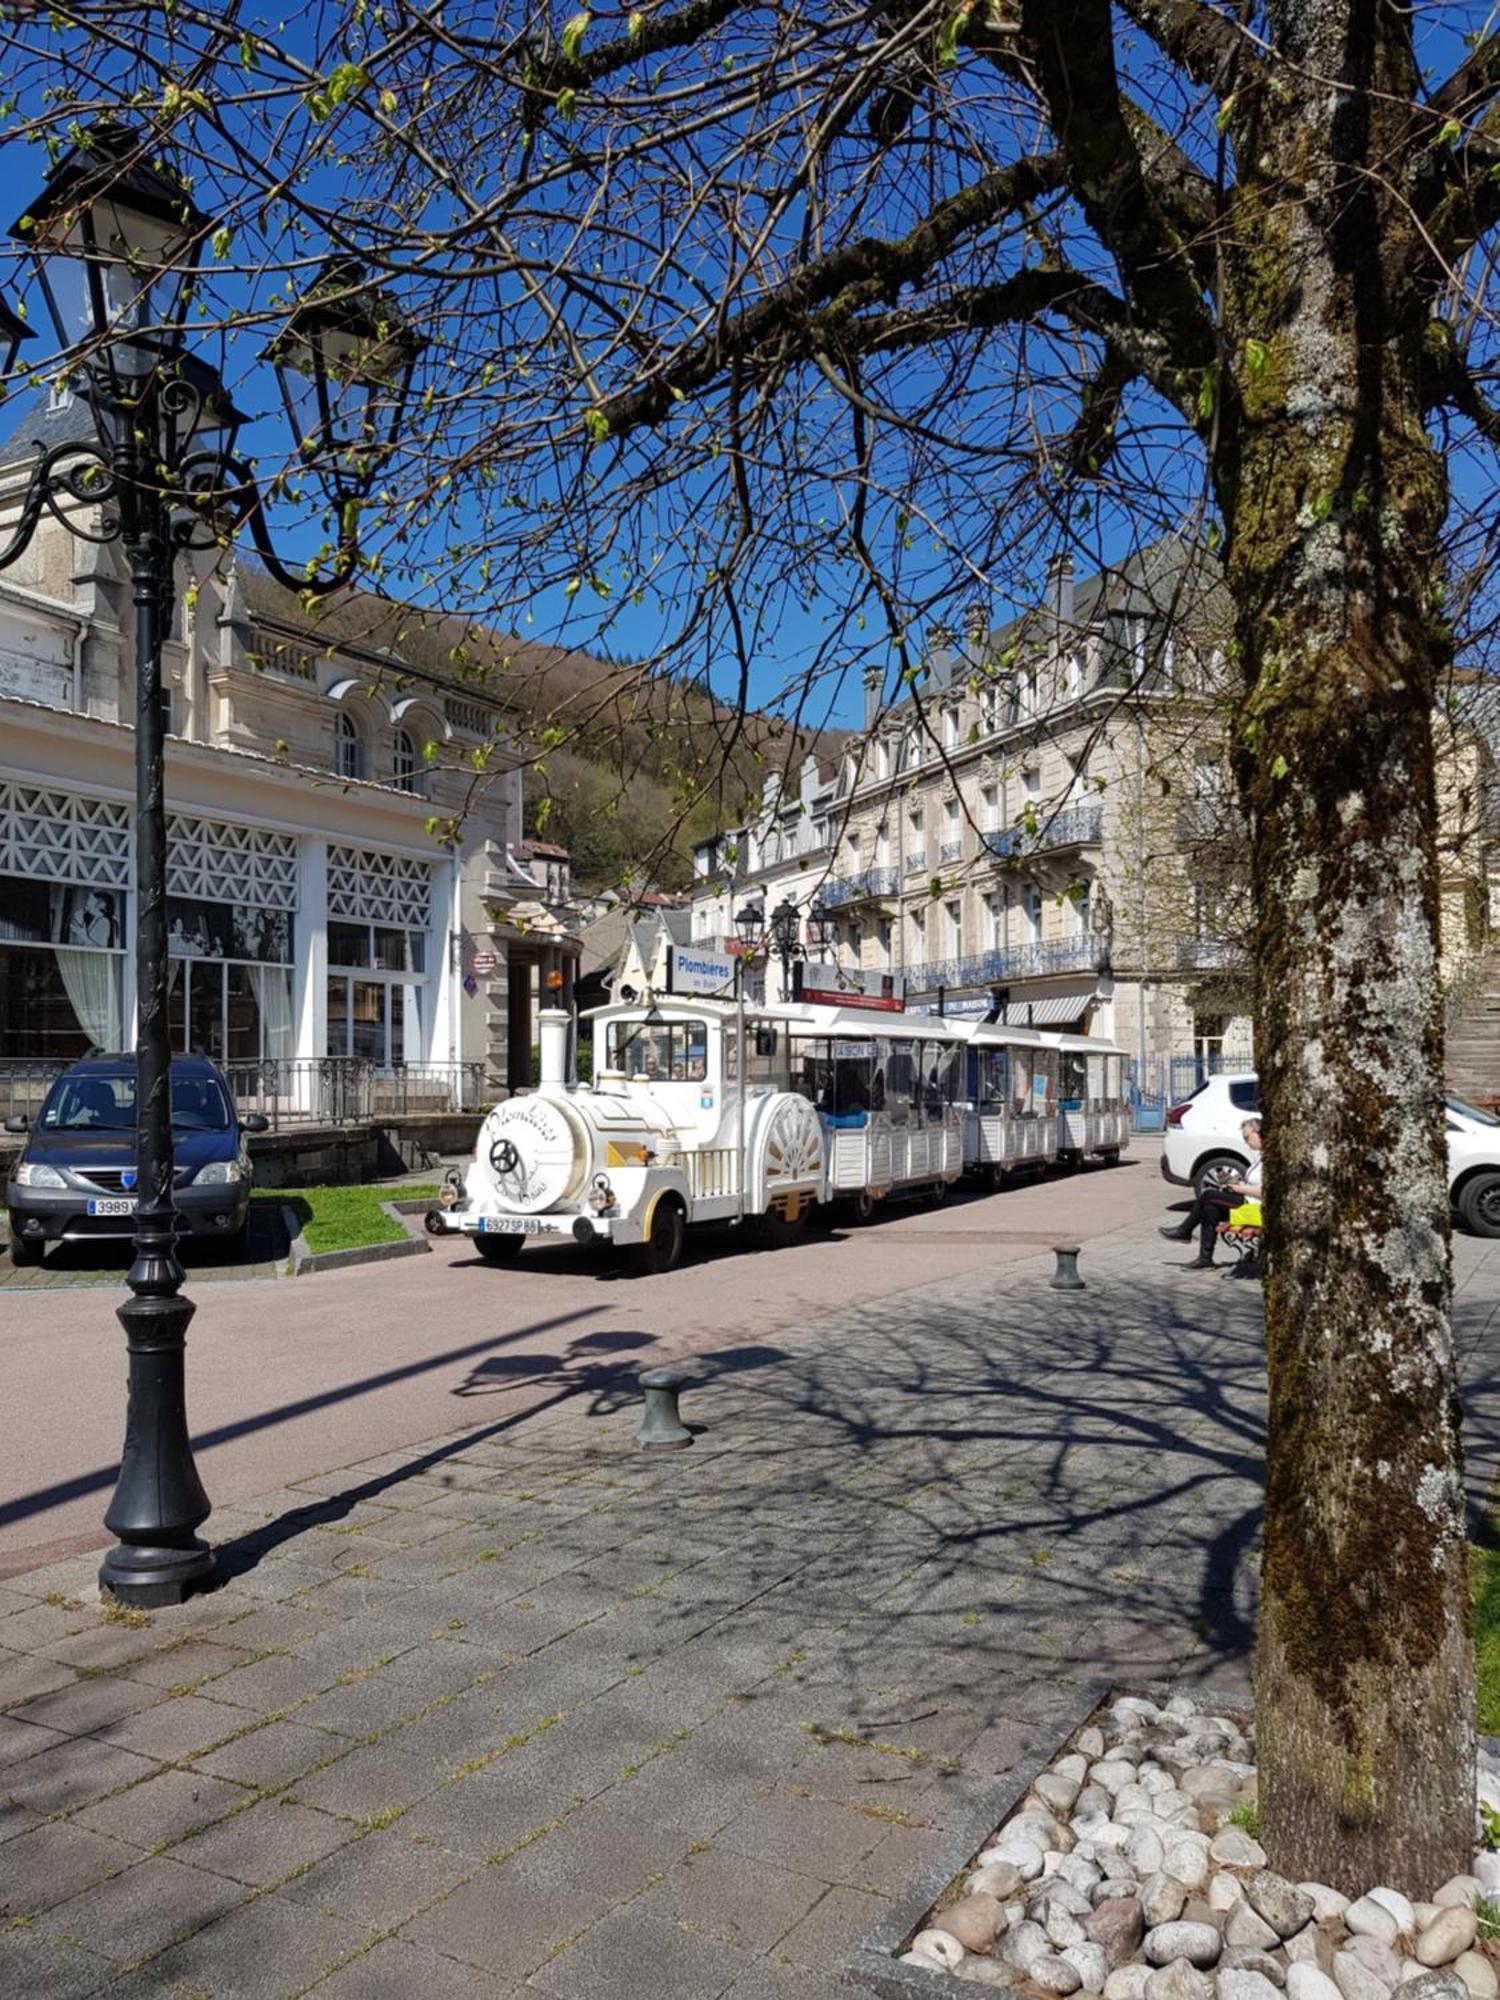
(663, 1051)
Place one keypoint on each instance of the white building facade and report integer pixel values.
(338, 887)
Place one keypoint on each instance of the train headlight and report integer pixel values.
(601, 1195)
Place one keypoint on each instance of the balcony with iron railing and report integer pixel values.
(992, 968)
(1210, 954)
(914, 864)
(871, 882)
(951, 850)
(1076, 826)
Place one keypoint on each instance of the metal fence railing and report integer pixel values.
(24, 1085)
(326, 1090)
(346, 1090)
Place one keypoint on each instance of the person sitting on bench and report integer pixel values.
(1212, 1206)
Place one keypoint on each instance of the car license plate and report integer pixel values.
(115, 1205)
(511, 1225)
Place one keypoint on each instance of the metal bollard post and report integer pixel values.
(1065, 1278)
(661, 1426)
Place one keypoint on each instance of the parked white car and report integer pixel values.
(1203, 1145)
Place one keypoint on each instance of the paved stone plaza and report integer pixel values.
(528, 1712)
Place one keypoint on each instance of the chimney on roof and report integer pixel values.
(1060, 595)
(874, 678)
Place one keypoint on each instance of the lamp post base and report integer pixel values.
(159, 1502)
(148, 1578)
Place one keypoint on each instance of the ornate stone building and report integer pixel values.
(340, 884)
(1045, 821)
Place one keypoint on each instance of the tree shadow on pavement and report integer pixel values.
(600, 1388)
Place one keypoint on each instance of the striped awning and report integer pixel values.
(1057, 1010)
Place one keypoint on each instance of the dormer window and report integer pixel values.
(348, 750)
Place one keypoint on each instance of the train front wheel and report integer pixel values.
(664, 1240)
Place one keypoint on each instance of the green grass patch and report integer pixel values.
(346, 1218)
(1246, 1818)
(1484, 1571)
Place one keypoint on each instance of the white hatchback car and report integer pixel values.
(1203, 1145)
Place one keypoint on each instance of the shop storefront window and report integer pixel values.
(375, 1007)
(231, 980)
(61, 964)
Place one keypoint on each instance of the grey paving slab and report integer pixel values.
(136, 1914)
(628, 1952)
(396, 1970)
(267, 1949)
(499, 1925)
(20, 1740)
(58, 1968)
(86, 1707)
(367, 1783)
(164, 1808)
(382, 1879)
(54, 1861)
(265, 1842)
(80, 1770)
(749, 1904)
(272, 1754)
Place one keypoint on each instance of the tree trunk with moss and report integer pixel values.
(1335, 499)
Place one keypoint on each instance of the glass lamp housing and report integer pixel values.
(344, 361)
(114, 240)
(13, 330)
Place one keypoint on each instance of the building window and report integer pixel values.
(950, 728)
(883, 758)
(230, 995)
(1031, 907)
(995, 908)
(989, 803)
(348, 750)
(406, 764)
(1208, 1040)
(61, 957)
(886, 932)
(955, 912)
(919, 937)
(375, 1005)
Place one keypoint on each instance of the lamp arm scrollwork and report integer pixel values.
(76, 472)
(252, 513)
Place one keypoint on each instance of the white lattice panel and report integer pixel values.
(218, 863)
(60, 837)
(378, 888)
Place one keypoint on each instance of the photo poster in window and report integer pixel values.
(1039, 1083)
(64, 913)
(197, 929)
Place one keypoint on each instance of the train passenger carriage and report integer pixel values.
(1091, 1112)
(1010, 1100)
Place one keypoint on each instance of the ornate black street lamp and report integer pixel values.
(115, 241)
(781, 939)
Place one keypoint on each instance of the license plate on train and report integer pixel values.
(114, 1205)
(512, 1225)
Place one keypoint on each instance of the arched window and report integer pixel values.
(348, 750)
(406, 765)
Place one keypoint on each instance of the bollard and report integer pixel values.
(661, 1426)
(1065, 1278)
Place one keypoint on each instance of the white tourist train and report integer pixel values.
(705, 1110)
